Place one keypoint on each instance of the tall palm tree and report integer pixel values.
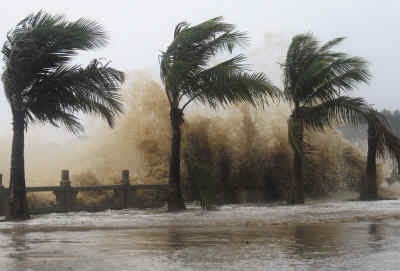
(381, 141)
(188, 76)
(316, 80)
(42, 86)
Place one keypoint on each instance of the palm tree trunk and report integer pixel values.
(296, 137)
(175, 198)
(18, 205)
(369, 186)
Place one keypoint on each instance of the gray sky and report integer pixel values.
(140, 29)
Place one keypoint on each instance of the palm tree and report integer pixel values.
(42, 86)
(381, 141)
(315, 81)
(188, 76)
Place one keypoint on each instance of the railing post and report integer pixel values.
(65, 182)
(125, 181)
(125, 177)
(121, 193)
(65, 198)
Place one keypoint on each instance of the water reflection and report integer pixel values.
(19, 245)
(376, 233)
(175, 238)
(292, 247)
(311, 241)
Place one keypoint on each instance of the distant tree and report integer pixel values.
(381, 141)
(388, 127)
(42, 86)
(188, 76)
(315, 82)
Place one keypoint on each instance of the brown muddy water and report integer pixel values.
(317, 236)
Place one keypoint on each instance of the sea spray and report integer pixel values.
(248, 154)
(247, 150)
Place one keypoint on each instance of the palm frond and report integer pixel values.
(73, 89)
(202, 35)
(69, 121)
(42, 42)
(187, 76)
(195, 82)
(332, 79)
(328, 45)
(302, 48)
(179, 27)
(341, 110)
(314, 73)
(192, 48)
(218, 86)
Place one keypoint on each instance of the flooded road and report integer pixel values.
(316, 236)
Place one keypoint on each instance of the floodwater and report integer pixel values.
(316, 236)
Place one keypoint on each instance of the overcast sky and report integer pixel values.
(140, 29)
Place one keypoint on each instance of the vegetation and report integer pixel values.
(381, 140)
(42, 86)
(188, 76)
(316, 80)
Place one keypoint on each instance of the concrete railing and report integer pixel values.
(123, 196)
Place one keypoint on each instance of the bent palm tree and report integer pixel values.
(188, 76)
(41, 86)
(381, 141)
(315, 80)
